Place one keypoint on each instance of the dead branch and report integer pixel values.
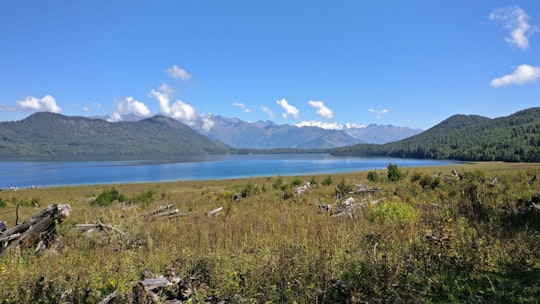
(99, 225)
(214, 212)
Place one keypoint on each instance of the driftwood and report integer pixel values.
(167, 289)
(346, 207)
(99, 225)
(214, 212)
(38, 230)
(363, 189)
(301, 189)
(163, 212)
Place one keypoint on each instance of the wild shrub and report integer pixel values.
(278, 183)
(327, 181)
(3, 203)
(343, 188)
(394, 173)
(144, 198)
(296, 182)
(427, 181)
(106, 197)
(373, 176)
(393, 214)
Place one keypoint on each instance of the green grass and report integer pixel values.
(456, 241)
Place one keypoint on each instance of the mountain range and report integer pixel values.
(467, 137)
(462, 137)
(268, 135)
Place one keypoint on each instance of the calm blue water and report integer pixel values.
(24, 174)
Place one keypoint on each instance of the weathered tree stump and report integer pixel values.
(39, 230)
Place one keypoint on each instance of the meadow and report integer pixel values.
(429, 235)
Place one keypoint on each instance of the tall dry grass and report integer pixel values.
(460, 240)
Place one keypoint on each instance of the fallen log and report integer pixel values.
(363, 189)
(162, 212)
(38, 230)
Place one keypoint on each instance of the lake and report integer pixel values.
(23, 174)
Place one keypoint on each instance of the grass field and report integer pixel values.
(428, 237)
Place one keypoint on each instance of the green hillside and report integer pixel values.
(469, 138)
(55, 135)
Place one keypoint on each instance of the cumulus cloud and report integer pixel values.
(129, 105)
(320, 124)
(322, 110)
(207, 124)
(268, 111)
(378, 113)
(178, 73)
(522, 74)
(242, 106)
(178, 110)
(289, 109)
(45, 104)
(516, 21)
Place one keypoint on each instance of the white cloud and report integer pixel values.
(179, 110)
(320, 124)
(45, 104)
(162, 96)
(354, 126)
(207, 124)
(522, 74)
(242, 106)
(183, 112)
(516, 21)
(86, 109)
(178, 73)
(268, 111)
(129, 105)
(379, 113)
(322, 110)
(289, 109)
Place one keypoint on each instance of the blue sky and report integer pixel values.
(406, 63)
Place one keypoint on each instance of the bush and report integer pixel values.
(107, 197)
(327, 181)
(278, 183)
(393, 214)
(373, 176)
(343, 188)
(144, 198)
(394, 174)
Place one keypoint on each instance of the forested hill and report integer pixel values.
(467, 137)
(47, 134)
